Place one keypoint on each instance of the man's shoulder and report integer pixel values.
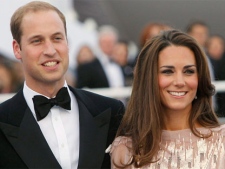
(97, 100)
(5, 109)
(13, 105)
(82, 93)
(6, 104)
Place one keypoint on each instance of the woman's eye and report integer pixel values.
(167, 71)
(189, 71)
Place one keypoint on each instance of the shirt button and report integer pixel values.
(56, 118)
(62, 145)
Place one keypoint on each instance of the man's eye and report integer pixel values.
(36, 41)
(58, 38)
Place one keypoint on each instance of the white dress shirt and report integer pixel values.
(60, 129)
(113, 72)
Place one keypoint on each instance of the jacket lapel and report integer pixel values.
(93, 132)
(27, 138)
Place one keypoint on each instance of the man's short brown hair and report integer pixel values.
(34, 6)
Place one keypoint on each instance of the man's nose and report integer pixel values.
(49, 48)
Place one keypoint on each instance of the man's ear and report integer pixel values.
(16, 49)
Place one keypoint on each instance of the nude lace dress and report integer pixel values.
(181, 149)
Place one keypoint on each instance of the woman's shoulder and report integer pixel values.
(220, 129)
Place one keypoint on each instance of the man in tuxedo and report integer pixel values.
(48, 124)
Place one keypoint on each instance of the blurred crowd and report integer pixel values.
(112, 65)
(11, 75)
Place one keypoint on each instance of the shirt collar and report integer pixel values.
(104, 59)
(29, 94)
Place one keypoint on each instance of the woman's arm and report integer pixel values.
(120, 152)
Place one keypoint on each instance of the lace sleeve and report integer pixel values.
(121, 140)
(120, 151)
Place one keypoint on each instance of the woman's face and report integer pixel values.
(178, 78)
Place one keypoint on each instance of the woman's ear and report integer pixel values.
(16, 50)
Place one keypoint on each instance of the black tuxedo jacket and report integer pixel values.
(91, 75)
(22, 144)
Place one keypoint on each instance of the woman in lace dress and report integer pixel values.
(169, 121)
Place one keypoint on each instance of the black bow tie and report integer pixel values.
(42, 105)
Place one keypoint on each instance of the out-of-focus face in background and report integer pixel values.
(5, 80)
(120, 54)
(215, 47)
(85, 55)
(107, 43)
(200, 33)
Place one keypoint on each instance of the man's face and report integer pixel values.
(43, 49)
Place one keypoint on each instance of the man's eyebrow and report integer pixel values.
(57, 33)
(34, 36)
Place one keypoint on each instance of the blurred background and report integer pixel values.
(130, 23)
(128, 16)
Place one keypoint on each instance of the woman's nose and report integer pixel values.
(179, 80)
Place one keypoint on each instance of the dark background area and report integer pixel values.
(130, 16)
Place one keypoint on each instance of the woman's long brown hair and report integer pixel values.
(143, 120)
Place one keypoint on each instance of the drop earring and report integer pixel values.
(196, 97)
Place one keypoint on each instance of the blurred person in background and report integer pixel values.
(215, 49)
(103, 71)
(18, 75)
(120, 52)
(11, 75)
(3, 58)
(6, 78)
(85, 55)
(120, 55)
(151, 30)
(199, 30)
